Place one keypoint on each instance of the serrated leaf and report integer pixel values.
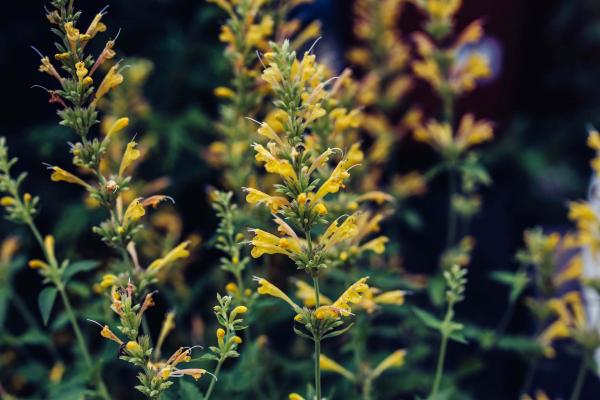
(79, 266)
(46, 301)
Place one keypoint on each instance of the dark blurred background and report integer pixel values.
(545, 93)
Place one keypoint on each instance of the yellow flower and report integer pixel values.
(539, 395)
(47, 67)
(49, 248)
(59, 174)
(117, 126)
(376, 196)
(131, 154)
(81, 70)
(7, 201)
(224, 92)
(238, 310)
(267, 243)
(38, 264)
(96, 26)
(112, 79)
(108, 334)
(108, 280)
(167, 327)
(474, 68)
(573, 271)
(393, 297)
(442, 9)
(255, 37)
(295, 396)
(273, 164)
(133, 347)
(337, 233)
(376, 245)
(429, 71)
(195, 373)
(321, 209)
(306, 293)
(341, 307)
(274, 203)
(267, 288)
(175, 254)
(593, 140)
(57, 372)
(134, 212)
(394, 360)
(471, 132)
(327, 364)
(340, 173)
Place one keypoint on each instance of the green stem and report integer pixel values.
(452, 217)
(576, 393)
(317, 340)
(214, 379)
(82, 345)
(439, 370)
(367, 388)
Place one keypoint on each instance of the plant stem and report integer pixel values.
(214, 379)
(452, 217)
(439, 371)
(367, 388)
(580, 379)
(82, 345)
(317, 340)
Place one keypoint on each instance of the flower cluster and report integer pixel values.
(137, 350)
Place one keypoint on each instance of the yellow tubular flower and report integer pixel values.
(134, 212)
(7, 201)
(557, 330)
(112, 79)
(341, 307)
(118, 125)
(95, 26)
(267, 288)
(267, 243)
(393, 297)
(133, 347)
(38, 264)
(177, 253)
(49, 247)
(573, 271)
(274, 203)
(108, 280)
(108, 334)
(131, 154)
(273, 164)
(60, 175)
(471, 132)
(295, 396)
(376, 245)
(195, 373)
(167, 327)
(306, 293)
(81, 70)
(224, 92)
(337, 233)
(327, 364)
(394, 360)
(476, 67)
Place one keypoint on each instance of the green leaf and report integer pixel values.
(428, 319)
(189, 391)
(46, 301)
(4, 299)
(79, 266)
(458, 337)
(338, 332)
